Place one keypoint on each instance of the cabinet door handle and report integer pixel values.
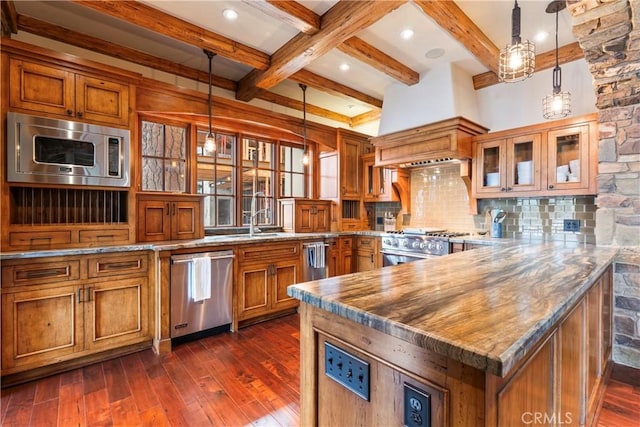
(173, 208)
(371, 258)
(88, 294)
(167, 208)
(79, 295)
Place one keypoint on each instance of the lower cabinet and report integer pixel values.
(340, 256)
(169, 217)
(98, 304)
(264, 273)
(368, 255)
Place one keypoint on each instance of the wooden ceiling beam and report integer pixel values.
(9, 18)
(369, 116)
(362, 51)
(452, 19)
(289, 12)
(341, 22)
(333, 88)
(74, 38)
(297, 105)
(160, 22)
(567, 53)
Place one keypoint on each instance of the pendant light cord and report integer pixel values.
(210, 56)
(304, 116)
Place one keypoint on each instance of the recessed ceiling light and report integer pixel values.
(406, 34)
(541, 36)
(434, 53)
(230, 14)
(344, 67)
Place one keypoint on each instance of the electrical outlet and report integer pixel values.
(347, 369)
(571, 225)
(417, 407)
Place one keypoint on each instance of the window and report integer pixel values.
(258, 172)
(292, 172)
(164, 157)
(216, 177)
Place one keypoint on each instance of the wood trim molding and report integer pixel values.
(289, 12)
(333, 88)
(9, 18)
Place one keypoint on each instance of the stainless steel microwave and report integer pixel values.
(51, 151)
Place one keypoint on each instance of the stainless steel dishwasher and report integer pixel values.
(201, 287)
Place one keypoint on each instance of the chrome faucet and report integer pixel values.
(253, 213)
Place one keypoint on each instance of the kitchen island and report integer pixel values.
(495, 336)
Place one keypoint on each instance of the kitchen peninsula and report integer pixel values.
(489, 337)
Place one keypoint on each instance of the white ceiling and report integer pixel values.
(267, 34)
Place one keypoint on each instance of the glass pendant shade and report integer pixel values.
(558, 104)
(210, 139)
(517, 60)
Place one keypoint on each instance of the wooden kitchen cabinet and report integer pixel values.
(169, 217)
(305, 215)
(59, 309)
(340, 256)
(368, 255)
(44, 88)
(377, 181)
(527, 161)
(264, 272)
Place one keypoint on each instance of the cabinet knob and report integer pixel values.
(503, 189)
(69, 113)
(509, 188)
(551, 187)
(79, 113)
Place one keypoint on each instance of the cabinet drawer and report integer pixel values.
(104, 236)
(133, 264)
(366, 243)
(39, 239)
(346, 243)
(265, 253)
(40, 273)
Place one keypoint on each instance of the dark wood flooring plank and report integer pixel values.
(20, 407)
(258, 414)
(154, 417)
(125, 413)
(45, 414)
(71, 377)
(117, 388)
(93, 378)
(169, 398)
(71, 410)
(139, 383)
(185, 385)
(47, 389)
(97, 408)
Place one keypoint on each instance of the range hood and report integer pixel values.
(443, 141)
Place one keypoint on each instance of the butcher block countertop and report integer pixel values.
(486, 308)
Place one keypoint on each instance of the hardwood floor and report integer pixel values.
(247, 378)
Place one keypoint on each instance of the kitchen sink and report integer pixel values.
(242, 236)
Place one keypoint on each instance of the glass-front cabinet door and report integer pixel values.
(568, 158)
(523, 163)
(490, 167)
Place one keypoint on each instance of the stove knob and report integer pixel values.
(439, 246)
(405, 243)
(415, 244)
(423, 245)
(430, 245)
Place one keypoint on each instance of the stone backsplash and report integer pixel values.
(439, 199)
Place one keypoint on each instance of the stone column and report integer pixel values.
(609, 33)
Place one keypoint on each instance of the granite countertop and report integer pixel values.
(206, 242)
(487, 307)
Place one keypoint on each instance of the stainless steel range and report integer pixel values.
(400, 247)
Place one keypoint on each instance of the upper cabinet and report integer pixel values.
(44, 88)
(550, 159)
(351, 146)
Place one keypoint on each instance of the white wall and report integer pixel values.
(510, 105)
(448, 91)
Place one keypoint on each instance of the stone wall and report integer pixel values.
(609, 33)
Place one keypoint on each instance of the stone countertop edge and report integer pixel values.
(487, 308)
(207, 241)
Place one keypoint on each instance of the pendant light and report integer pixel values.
(558, 104)
(210, 139)
(518, 59)
(305, 155)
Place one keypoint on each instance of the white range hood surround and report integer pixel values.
(444, 92)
